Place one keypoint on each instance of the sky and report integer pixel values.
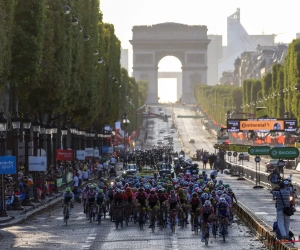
(257, 17)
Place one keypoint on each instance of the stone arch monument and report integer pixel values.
(186, 42)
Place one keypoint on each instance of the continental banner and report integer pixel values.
(276, 125)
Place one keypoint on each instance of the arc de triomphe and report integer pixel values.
(186, 42)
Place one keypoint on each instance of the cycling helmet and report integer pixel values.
(101, 179)
(100, 191)
(195, 165)
(152, 191)
(172, 192)
(220, 182)
(219, 192)
(119, 191)
(206, 190)
(141, 189)
(213, 192)
(195, 195)
(160, 191)
(199, 191)
(94, 186)
(68, 189)
(119, 184)
(207, 203)
(286, 183)
(230, 190)
(186, 184)
(289, 179)
(205, 196)
(128, 189)
(222, 200)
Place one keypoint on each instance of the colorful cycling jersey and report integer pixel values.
(67, 196)
(173, 198)
(222, 208)
(153, 200)
(195, 202)
(100, 198)
(91, 194)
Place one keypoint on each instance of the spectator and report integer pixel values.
(85, 175)
(274, 178)
(282, 200)
(76, 183)
(79, 172)
(100, 170)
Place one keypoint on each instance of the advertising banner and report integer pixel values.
(96, 153)
(59, 182)
(262, 125)
(69, 177)
(7, 165)
(80, 155)
(64, 155)
(37, 163)
(89, 152)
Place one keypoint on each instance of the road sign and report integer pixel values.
(257, 159)
(229, 154)
(259, 150)
(7, 165)
(280, 163)
(232, 147)
(234, 154)
(241, 156)
(284, 153)
(242, 148)
(261, 111)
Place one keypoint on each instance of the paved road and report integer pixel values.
(192, 128)
(47, 231)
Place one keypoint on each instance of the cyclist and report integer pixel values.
(153, 202)
(84, 197)
(91, 196)
(183, 202)
(174, 204)
(100, 200)
(206, 212)
(118, 198)
(222, 211)
(68, 197)
(195, 207)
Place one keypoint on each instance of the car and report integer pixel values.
(161, 131)
(160, 142)
(271, 165)
(172, 131)
(165, 169)
(129, 170)
(245, 158)
(191, 140)
(166, 137)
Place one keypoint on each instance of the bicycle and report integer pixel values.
(172, 215)
(66, 212)
(141, 217)
(127, 212)
(118, 216)
(153, 215)
(206, 233)
(162, 218)
(101, 210)
(223, 228)
(182, 217)
(195, 222)
(92, 211)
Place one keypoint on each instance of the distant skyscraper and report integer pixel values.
(297, 35)
(239, 41)
(214, 54)
(124, 58)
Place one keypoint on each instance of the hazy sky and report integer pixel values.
(257, 17)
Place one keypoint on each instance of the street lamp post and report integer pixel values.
(36, 130)
(26, 127)
(125, 122)
(64, 133)
(48, 130)
(73, 130)
(16, 125)
(54, 135)
(3, 129)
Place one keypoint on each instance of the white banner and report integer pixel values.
(37, 163)
(80, 155)
(89, 152)
(96, 153)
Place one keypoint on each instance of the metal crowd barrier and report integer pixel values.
(250, 174)
(264, 232)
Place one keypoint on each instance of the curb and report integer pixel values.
(34, 210)
(263, 231)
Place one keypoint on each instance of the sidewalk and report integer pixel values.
(260, 202)
(18, 216)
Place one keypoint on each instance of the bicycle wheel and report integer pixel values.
(195, 225)
(214, 230)
(206, 237)
(223, 232)
(153, 226)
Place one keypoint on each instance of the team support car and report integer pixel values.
(191, 140)
(271, 164)
(165, 169)
(245, 157)
(129, 170)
